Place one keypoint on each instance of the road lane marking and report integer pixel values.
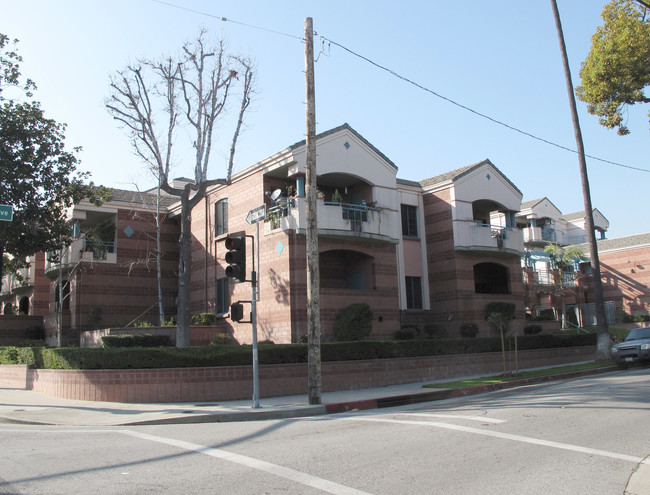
(482, 419)
(274, 469)
(505, 436)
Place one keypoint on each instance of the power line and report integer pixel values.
(475, 112)
(225, 19)
(409, 81)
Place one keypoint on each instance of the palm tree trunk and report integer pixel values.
(601, 316)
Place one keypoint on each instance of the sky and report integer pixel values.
(500, 59)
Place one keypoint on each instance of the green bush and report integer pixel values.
(500, 307)
(137, 340)
(222, 339)
(172, 357)
(468, 330)
(142, 324)
(204, 319)
(354, 323)
(435, 331)
(532, 329)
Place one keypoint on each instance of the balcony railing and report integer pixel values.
(333, 217)
(549, 277)
(81, 250)
(472, 235)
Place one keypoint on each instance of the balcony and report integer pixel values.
(538, 234)
(549, 278)
(12, 282)
(338, 219)
(477, 236)
(80, 251)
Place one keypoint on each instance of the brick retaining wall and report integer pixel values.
(236, 382)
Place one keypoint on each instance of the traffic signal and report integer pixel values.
(236, 311)
(236, 257)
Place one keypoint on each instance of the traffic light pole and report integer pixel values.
(236, 259)
(256, 377)
(256, 374)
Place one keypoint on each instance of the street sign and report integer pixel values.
(6, 213)
(256, 215)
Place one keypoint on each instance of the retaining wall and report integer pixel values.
(221, 383)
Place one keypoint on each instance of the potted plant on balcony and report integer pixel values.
(336, 197)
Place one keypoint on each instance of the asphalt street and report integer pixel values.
(586, 435)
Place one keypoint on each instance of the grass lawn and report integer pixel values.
(486, 380)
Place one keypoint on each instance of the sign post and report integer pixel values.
(254, 217)
(6, 213)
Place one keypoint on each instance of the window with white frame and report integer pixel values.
(221, 217)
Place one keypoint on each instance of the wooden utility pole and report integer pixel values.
(313, 277)
(601, 316)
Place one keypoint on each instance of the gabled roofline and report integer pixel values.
(581, 214)
(533, 203)
(345, 126)
(454, 175)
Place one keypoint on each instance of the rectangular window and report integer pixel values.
(414, 292)
(222, 296)
(221, 217)
(409, 221)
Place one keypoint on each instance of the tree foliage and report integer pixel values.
(39, 177)
(617, 68)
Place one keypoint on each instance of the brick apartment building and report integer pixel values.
(434, 251)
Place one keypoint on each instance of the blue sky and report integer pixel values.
(499, 58)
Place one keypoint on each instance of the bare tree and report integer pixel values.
(152, 98)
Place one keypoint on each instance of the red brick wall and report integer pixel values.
(626, 278)
(451, 273)
(15, 329)
(281, 310)
(236, 382)
(125, 289)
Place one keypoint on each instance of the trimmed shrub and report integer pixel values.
(435, 331)
(172, 357)
(144, 340)
(532, 329)
(468, 330)
(204, 319)
(500, 307)
(354, 323)
(222, 339)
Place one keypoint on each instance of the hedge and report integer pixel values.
(172, 357)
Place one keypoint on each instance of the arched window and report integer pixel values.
(491, 278)
(23, 305)
(346, 269)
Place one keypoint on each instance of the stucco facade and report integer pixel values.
(419, 253)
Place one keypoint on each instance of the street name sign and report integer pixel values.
(256, 215)
(6, 213)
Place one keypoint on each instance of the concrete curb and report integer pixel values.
(442, 394)
(639, 482)
(81, 415)
(229, 417)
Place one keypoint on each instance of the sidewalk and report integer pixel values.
(19, 406)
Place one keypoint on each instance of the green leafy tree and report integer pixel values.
(561, 258)
(617, 68)
(39, 177)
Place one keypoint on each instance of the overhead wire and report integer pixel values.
(408, 81)
(475, 112)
